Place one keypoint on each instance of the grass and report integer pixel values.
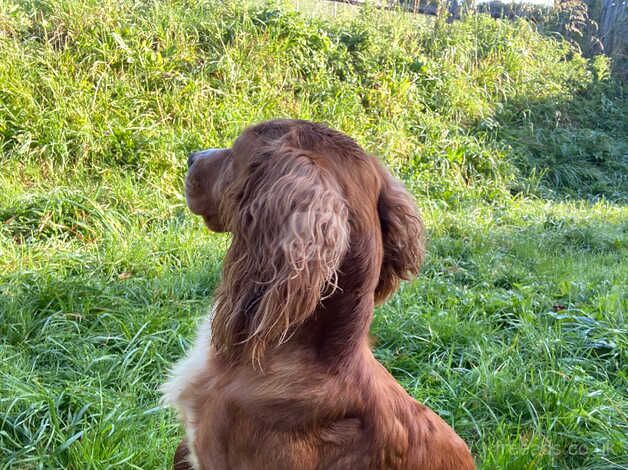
(513, 144)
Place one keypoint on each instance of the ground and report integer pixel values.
(513, 144)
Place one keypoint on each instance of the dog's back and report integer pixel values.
(294, 416)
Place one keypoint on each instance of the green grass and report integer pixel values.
(514, 145)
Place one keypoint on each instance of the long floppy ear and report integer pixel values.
(403, 236)
(290, 232)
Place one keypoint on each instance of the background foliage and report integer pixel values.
(513, 143)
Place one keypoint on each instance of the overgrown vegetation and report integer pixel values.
(513, 143)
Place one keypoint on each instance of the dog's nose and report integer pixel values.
(200, 154)
(191, 158)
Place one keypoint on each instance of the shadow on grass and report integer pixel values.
(82, 357)
(556, 145)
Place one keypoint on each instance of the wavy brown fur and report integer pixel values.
(321, 233)
(290, 232)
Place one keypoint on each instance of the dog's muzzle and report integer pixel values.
(194, 156)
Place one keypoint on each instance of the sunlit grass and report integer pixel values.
(512, 143)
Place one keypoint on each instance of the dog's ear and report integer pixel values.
(290, 232)
(402, 233)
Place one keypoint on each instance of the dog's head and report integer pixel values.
(300, 200)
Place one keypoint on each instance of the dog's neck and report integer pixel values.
(340, 325)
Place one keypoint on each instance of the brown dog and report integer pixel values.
(286, 378)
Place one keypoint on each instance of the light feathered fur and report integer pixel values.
(290, 234)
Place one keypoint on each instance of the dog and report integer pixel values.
(282, 376)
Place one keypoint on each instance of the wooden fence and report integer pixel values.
(612, 22)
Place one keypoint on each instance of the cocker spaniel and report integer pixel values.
(282, 376)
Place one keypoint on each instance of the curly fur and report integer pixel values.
(290, 232)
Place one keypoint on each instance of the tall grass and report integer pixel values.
(513, 144)
(119, 83)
